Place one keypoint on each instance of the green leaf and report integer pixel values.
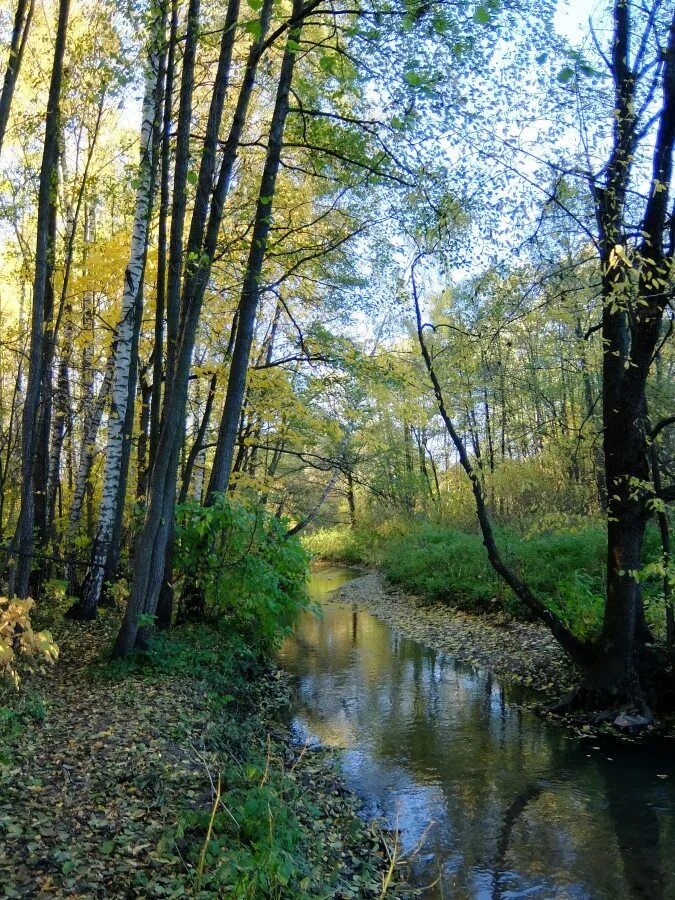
(565, 74)
(253, 27)
(255, 5)
(414, 79)
(191, 177)
(326, 64)
(482, 16)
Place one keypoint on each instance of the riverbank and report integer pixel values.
(174, 775)
(522, 653)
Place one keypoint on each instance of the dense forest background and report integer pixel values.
(355, 273)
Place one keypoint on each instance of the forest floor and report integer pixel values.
(104, 784)
(523, 653)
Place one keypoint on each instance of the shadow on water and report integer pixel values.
(505, 805)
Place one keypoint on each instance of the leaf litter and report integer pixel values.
(92, 797)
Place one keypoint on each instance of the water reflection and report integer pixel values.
(505, 805)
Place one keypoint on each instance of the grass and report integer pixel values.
(566, 569)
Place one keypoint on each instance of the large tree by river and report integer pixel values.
(635, 243)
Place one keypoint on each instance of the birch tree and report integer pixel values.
(151, 547)
(133, 277)
(33, 412)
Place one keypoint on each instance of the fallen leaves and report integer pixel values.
(523, 653)
(95, 792)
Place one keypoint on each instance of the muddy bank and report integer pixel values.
(520, 652)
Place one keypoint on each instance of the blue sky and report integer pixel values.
(571, 17)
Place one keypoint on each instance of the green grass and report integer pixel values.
(565, 569)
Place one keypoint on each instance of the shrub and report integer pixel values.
(18, 642)
(340, 544)
(251, 573)
(564, 566)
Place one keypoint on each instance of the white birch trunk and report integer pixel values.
(198, 483)
(93, 583)
(86, 460)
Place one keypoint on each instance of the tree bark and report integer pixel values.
(631, 324)
(150, 555)
(22, 544)
(158, 358)
(22, 20)
(248, 304)
(94, 578)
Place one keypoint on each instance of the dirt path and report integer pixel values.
(520, 652)
(92, 792)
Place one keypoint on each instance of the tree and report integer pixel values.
(34, 407)
(124, 358)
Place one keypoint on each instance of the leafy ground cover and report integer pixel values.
(173, 775)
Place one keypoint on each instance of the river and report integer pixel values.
(492, 801)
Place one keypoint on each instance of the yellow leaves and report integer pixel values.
(19, 641)
(617, 256)
(208, 370)
(659, 187)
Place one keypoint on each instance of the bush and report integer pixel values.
(565, 570)
(251, 574)
(344, 545)
(19, 643)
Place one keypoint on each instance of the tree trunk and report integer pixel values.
(198, 444)
(179, 203)
(631, 324)
(94, 578)
(22, 545)
(22, 20)
(92, 424)
(150, 556)
(115, 549)
(248, 304)
(164, 190)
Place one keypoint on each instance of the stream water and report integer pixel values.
(496, 802)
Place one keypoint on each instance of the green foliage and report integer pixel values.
(564, 567)
(13, 717)
(254, 845)
(579, 605)
(344, 545)
(252, 574)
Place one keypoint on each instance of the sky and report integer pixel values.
(571, 21)
(571, 17)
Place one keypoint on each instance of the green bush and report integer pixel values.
(251, 574)
(565, 570)
(344, 545)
